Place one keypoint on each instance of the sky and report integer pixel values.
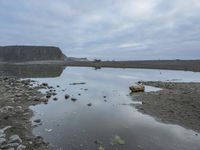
(105, 29)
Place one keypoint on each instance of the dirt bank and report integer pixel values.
(15, 125)
(177, 103)
(187, 65)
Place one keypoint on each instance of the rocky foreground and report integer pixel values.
(15, 125)
(177, 103)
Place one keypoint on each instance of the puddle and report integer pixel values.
(75, 125)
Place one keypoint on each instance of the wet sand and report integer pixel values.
(177, 103)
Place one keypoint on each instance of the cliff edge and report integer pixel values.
(30, 53)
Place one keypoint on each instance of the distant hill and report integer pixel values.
(30, 53)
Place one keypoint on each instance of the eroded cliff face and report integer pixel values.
(30, 53)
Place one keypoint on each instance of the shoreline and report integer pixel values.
(186, 65)
(16, 98)
(176, 103)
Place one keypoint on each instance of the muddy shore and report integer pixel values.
(177, 103)
(186, 65)
(15, 125)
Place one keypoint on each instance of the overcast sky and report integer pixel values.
(109, 29)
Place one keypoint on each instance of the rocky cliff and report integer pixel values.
(30, 53)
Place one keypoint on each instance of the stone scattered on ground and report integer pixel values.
(16, 97)
(176, 103)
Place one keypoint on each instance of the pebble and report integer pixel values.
(55, 99)
(13, 144)
(66, 96)
(2, 140)
(90, 104)
(37, 120)
(73, 99)
(21, 147)
(15, 138)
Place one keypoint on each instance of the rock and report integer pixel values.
(77, 83)
(55, 99)
(48, 95)
(37, 120)
(137, 88)
(21, 147)
(101, 147)
(6, 128)
(45, 84)
(18, 95)
(74, 99)
(6, 109)
(90, 104)
(54, 94)
(15, 138)
(117, 141)
(36, 99)
(45, 100)
(11, 148)
(2, 135)
(12, 144)
(2, 141)
(67, 96)
(6, 117)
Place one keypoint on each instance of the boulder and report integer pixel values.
(137, 88)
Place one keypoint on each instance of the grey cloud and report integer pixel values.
(110, 29)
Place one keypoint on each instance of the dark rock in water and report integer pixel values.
(67, 96)
(74, 99)
(55, 99)
(90, 104)
(77, 83)
(37, 120)
(30, 53)
(45, 84)
(48, 95)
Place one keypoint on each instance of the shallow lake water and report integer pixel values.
(73, 125)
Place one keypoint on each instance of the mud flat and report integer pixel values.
(187, 65)
(15, 125)
(177, 103)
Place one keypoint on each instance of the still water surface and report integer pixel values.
(73, 125)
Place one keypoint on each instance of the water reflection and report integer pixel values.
(75, 125)
(31, 71)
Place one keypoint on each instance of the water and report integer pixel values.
(70, 125)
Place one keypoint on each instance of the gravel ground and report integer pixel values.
(177, 103)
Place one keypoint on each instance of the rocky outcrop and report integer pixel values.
(30, 53)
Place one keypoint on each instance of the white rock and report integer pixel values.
(13, 144)
(15, 138)
(2, 140)
(21, 147)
